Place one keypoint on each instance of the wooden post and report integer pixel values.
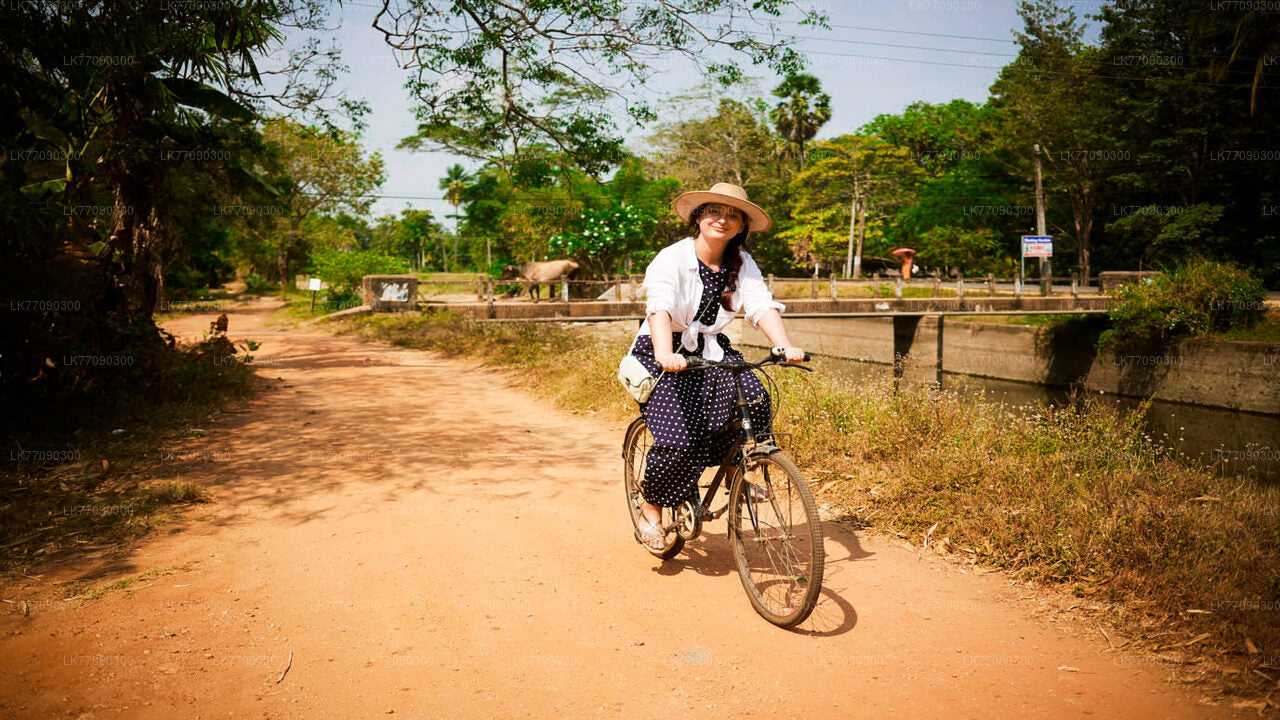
(904, 335)
(770, 283)
(833, 286)
(564, 289)
(813, 287)
(1075, 284)
(939, 362)
(960, 287)
(1017, 285)
(897, 288)
(937, 287)
(991, 285)
(480, 286)
(617, 288)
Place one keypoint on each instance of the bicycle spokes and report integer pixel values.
(777, 540)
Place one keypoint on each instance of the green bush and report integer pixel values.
(344, 270)
(256, 284)
(1197, 298)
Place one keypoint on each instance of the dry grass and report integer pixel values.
(784, 289)
(98, 478)
(1078, 497)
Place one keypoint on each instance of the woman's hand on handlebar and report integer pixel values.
(790, 354)
(671, 362)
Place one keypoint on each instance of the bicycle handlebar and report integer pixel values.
(775, 357)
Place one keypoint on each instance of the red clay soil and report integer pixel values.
(425, 539)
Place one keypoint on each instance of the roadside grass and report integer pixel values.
(86, 592)
(1267, 330)
(796, 289)
(298, 305)
(1031, 320)
(1076, 496)
(97, 476)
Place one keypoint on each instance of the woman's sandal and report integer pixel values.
(651, 534)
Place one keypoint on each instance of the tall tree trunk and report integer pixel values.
(1082, 203)
(282, 265)
(139, 232)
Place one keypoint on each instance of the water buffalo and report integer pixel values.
(535, 273)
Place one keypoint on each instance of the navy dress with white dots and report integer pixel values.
(686, 408)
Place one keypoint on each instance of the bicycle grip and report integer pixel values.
(779, 352)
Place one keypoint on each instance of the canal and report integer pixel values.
(1234, 442)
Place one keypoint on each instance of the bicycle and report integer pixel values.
(773, 521)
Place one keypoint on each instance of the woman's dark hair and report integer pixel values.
(731, 261)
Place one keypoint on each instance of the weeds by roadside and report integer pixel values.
(82, 477)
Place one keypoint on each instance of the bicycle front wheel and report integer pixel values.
(635, 451)
(777, 539)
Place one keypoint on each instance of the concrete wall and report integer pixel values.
(1234, 375)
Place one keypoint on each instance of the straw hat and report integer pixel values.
(726, 193)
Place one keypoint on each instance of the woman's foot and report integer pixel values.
(652, 535)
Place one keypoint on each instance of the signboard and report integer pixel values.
(314, 284)
(1037, 246)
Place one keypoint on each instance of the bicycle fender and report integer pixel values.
(764, 450)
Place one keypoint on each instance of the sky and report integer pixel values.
(878, 57)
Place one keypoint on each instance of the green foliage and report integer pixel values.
(600, 238)
(1196, 298)
(515, 223)
(343, 270)
(803, 111)
(414, 236)
(823, 194)
(254, 283)
(494, 81)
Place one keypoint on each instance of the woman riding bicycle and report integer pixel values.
(695, 287)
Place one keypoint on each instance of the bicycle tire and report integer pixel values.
(635, 449)
(780, 561)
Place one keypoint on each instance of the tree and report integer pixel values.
(959, 216)
(728, 139)
(454, 183)
(803, 111)
(880, 176)
(601, 238)
(126, 108)
(494, 79)
(728, 146)
(1183, 124)
(1051, 96)
(315, 172)
(412, 236)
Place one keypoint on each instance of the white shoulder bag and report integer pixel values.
(636, 378)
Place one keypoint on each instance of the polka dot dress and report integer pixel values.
(686, 408)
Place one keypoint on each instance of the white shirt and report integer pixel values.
(672, 284)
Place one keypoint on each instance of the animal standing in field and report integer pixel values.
(535, 273)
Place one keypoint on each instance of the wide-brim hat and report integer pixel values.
(728, 194)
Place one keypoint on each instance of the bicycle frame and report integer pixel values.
(739, 454)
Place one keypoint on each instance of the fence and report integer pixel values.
(628, 287)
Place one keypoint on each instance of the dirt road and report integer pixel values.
(426, 540)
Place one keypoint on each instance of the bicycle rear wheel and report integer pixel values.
(635, 449)
(777, 539)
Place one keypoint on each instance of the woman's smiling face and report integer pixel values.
(721, 222)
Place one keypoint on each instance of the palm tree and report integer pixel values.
(803, 111)
(455, 181)
(1256, 37)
